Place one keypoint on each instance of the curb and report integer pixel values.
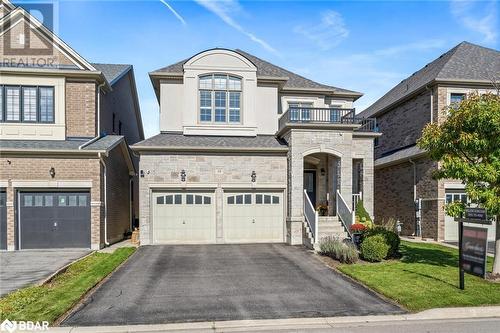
(295, 323)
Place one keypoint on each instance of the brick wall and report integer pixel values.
(118, 195)
(80, 109)
(402, 125)
(394, 196)
(32, 168)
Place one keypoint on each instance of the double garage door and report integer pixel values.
(54, 220)
(191, 217)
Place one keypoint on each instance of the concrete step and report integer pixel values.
(328, 219)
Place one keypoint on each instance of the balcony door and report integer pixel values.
(300, 111)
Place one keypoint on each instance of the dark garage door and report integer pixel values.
(3, 221)
(54, 220)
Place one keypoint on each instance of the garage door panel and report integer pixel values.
(253, 217)
(183, 217)
(54, 220)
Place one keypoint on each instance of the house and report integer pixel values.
(248, 151)
(404, 186)
(67, 177)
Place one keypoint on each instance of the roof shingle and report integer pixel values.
(102, 144)
(465, 62)
(112, 72)
(204, 142)
(266, 69)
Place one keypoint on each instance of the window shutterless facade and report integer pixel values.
(27, 104)
(220, 99)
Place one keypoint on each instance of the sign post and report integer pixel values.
(472, 244)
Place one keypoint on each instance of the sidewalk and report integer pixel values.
(293, 323)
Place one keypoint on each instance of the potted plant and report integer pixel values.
(357, 230)
(322, 210)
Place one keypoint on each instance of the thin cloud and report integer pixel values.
(411, 47)
(483, 20)
(179, 17)
(328, 33)
(223, 10)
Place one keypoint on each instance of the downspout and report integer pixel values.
(130, 191)
(98, 134)
(418, 220)
(105, 201)
(432, 102)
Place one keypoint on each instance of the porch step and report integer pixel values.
(328, 219)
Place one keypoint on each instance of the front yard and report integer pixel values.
(425, 277)
(48, 302)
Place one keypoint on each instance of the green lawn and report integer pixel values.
(426, 277)
(50, 301)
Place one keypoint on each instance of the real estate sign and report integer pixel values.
(474, 245)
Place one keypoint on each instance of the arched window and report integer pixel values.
(220, 98)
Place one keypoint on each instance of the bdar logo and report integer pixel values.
(8, 326)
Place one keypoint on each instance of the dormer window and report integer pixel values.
(220, 99)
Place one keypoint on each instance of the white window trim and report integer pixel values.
(212, 91)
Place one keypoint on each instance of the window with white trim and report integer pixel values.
(220, 98)
(300, 110)
(26, 104)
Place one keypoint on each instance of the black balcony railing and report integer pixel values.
(301, 115)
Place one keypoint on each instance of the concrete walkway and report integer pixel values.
(22, 268)
(452, 320)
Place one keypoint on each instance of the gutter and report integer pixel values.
(418, 224)
(98, 118)
(105, 201)
(432, 102)
(208, 149)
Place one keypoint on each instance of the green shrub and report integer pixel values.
(362, 214)
(374, 248)
(337, 249)
(389, 224)
(391, 239)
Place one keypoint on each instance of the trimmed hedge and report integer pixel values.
(374, 248)
(391, 238)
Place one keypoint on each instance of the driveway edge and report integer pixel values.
(63, 269)
(295, 323)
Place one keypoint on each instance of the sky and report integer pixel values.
(366, 46)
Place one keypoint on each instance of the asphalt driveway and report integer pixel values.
(22, 268)
(188, 283)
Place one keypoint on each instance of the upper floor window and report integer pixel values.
(456, 98)
(27, 104)
(220, 98)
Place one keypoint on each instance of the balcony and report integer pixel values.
(326, 117)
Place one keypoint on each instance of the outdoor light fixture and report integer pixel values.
(183, 175)
(323, 172)
(142, 173)
(52, 172)
(254, 176)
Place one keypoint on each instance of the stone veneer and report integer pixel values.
(341, 144)
(210, 171)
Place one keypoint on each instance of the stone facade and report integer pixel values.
(345, 145)
(210, 171)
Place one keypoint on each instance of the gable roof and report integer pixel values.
(267, 70)
(112, 72)
(466, 62)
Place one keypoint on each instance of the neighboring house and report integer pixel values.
(404, 187)
(66, 173)
(246, 153)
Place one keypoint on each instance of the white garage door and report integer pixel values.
(183, 217)
(451, 227)
(253, 217)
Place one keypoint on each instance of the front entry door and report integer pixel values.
(310, 185)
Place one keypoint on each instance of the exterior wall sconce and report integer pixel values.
(183, 175)
(141, 173)
(52, 172)
(254, 176)
(323, 172)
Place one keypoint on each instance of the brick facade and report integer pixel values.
(16, 169)
(80, 109)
